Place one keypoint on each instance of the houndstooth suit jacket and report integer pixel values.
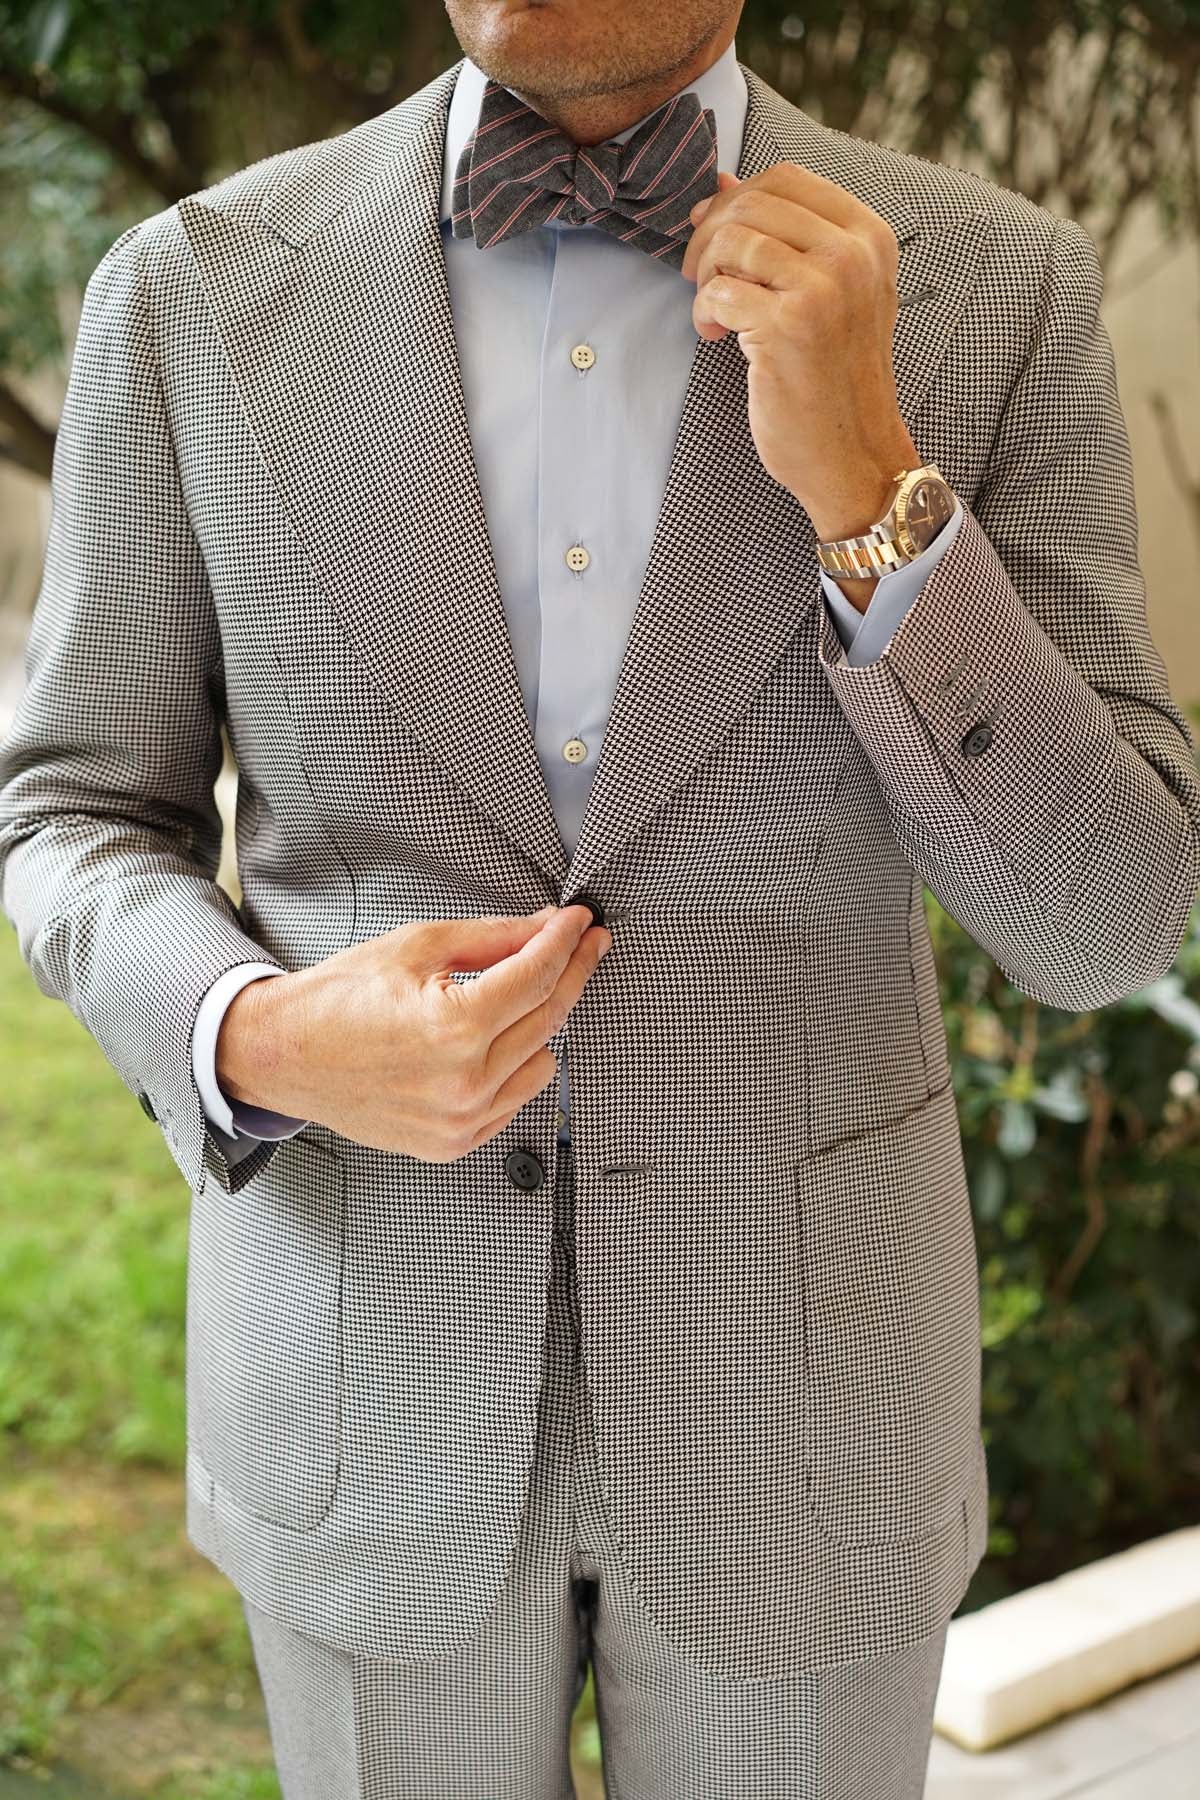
(266, 509)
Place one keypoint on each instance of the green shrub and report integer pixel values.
(1081, 1136)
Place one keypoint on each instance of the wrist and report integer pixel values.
(853, 509)
(248, 1052)
(853, 517)
(857, 498)
(858, 590)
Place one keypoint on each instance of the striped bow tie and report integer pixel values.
(517, 170)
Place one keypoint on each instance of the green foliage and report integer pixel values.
(93, 1246)
(1081, 1135)
(225, 1784)
(116, 1632)
(55, 225)
(110, 109)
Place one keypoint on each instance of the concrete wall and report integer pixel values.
(1153, 319)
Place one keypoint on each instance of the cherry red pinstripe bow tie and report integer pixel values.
(517, 171)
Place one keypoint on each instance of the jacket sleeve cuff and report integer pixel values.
(866, 635)
(974, 718)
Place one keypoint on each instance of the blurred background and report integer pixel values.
(125, 1667)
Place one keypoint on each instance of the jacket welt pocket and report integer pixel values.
(264, 1334)
(890, 1286)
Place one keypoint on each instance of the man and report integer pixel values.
(434, 458)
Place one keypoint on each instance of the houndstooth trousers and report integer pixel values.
(492, 1721)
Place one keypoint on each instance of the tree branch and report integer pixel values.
(110, 128)
(24, 440)
(1175, 453)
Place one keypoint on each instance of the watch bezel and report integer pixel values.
(913, 479)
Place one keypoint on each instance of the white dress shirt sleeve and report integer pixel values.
(865, 635)
(242, 1124)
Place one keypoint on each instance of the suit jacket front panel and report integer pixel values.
(763, 1011)
(766, 1006)
(359, 828)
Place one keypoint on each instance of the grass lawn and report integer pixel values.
(127, 1666)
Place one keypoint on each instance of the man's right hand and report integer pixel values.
(383, 1046)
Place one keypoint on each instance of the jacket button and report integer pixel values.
(593, 906)
(977, 741)
(147, 1108)
(524, 1170)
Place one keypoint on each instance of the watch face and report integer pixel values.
(930, 504)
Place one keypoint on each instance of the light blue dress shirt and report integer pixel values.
(570, 459)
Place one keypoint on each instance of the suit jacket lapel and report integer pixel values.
(733, 568)
(332, 302)
(334, 309)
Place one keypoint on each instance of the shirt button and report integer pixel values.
(562, 1117)
(577, 558)
(574, 750)
(583, 356)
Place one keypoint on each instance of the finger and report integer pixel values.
(827, 199)
(752, 255)
(770, 214)
(512, 1047)
(702, 207)
(783, 215)
(726, 179)
(732, 305)
(493, 1129)
(506, 991)
(442, 945)
(522, 1086)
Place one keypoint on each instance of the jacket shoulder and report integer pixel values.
(240, 193)
(322, 173)
(154, 239)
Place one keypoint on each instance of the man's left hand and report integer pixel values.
(805, 273)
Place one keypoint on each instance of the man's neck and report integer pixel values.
(594, 118)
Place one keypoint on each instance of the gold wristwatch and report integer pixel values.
(923, 502)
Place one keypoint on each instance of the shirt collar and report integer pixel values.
(722, 86)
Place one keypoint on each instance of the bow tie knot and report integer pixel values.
(590, 181)
(517, 171)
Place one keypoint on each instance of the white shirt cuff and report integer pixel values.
(234, 1117)
(866, 635)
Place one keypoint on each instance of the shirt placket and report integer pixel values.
(571, 548)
